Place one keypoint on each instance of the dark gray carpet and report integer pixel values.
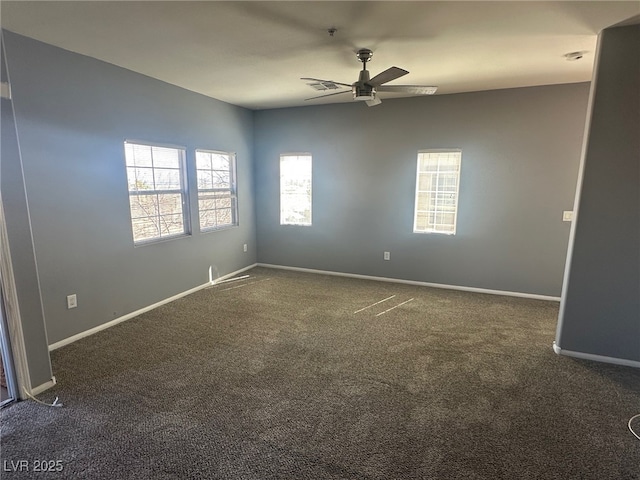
(276, 377)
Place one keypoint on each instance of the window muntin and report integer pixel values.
(295, 189)
(217, 196)
(437, 185)
(157, 191)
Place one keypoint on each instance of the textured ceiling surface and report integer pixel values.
(253, 54)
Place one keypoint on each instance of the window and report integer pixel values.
(157, 191)
(217, 199)
(295, 189)
(437, 181)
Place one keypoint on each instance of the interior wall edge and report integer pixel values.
(594, 357)
(42, 387)
(579, 182)
(20, 282)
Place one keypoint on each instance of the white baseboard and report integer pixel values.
(232, 274)
(41, 388)
(413, 282)
(595, 358)
(128, 316)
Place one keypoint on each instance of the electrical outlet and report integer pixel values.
(244, 247)
(5, 90)
(567, 216)
(72, 301)
(387, 255)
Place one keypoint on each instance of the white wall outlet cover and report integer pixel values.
(5, 91)
(567, 216)
(387, 255)
(72, 301)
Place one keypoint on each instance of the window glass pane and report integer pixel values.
(223, 202)
(145, 228)
(445, 200)
(171, 224)
(296, 209)
(205, 179)
(436, 203)
(206, 203)
(216, 188)
(223, 217)
(138, 155)
(423, 203)
(447, 162)
(295, 189)
(447, 182)
(221, 179)
(208, 219)
(220, 162)
(166, 179)
(140, 178)
(427, 163)
(131, 179)
(203, 160)
(426, 182)
(170, 204)
(422, 221)
(128, 154)
(151, 172)
(144, 206)
(166, 157)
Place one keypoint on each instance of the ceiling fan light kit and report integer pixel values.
(366, 88)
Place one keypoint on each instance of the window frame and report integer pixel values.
(184, 191)
(296, 154)
(233, 189)
(418, 191)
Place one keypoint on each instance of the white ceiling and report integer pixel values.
(252, 53)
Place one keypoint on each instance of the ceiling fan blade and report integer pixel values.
(328, 95)
(389, 74)
(413, 89)
(327, 81)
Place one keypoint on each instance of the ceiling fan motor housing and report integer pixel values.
(361, 89)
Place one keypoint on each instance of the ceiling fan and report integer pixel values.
(366, 89)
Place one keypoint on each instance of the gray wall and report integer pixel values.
(72, 115)
(21, 247)
(521, 150)
(600, 312)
